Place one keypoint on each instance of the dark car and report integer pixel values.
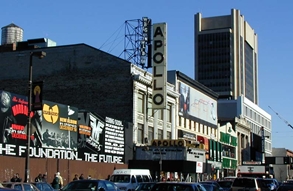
(210, 187)
(285, 187)
(145, 186)
(90, 185)
(226, 184)
(25, 186)
(177, 186)
(272, 183)
(7, 189)
(43, 186)
(214, 183)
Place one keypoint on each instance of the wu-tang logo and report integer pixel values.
(51, 114)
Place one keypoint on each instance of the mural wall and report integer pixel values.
(58, 131)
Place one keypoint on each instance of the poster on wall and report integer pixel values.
(90, 133)
(100, 140)
(13, 118)
(59, 126)
(114, 136)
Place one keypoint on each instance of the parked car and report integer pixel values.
(210, 187)
(285, 187)
(178, 186)
(145, 186)
(90, 185)
(24, 186)
(214, 183)
(226, 184)
(7, 189)
(43, 186)
(272, 183)
(249, 184)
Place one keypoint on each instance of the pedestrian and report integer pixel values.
(75, 177)
(38, 178)
(60, 178)
(44, 178)
(89, 177)
(15, 178)
(56, 182)
(81, 177)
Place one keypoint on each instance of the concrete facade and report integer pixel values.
(226, 55)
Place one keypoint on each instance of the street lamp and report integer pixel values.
(40, 55)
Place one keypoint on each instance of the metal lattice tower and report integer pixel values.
(137, 42)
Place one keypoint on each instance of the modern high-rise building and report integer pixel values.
(226, 54)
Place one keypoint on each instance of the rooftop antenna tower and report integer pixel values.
(137, 42)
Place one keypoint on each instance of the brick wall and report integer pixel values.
(77, 75)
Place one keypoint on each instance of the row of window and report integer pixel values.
(256, 117)
(146, 109)
(197, 127)
(150, 135)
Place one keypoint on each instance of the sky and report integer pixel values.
(101, 24)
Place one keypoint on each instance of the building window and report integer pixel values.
(150, 107)
(140, 136)
(168, 135)
(160, 134)
(169, 113)
(150, 134)
(242, 141)
(160, 114)
(140, 102)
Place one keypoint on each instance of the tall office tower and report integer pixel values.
(226, 55)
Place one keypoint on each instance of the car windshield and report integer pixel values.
(208, 187)
(7, 185)
(120, 178)
(143, 186)
(225, 184)
(172, 187)
(244, 182)
(81, 185)
(268, 181)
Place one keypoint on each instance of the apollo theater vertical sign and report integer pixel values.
(159, 66)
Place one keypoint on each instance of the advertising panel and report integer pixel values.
(195, 155)
(59, 126)
(193, 103)
(13, 118)
(199, 167)
(100, 140)
(58, 131)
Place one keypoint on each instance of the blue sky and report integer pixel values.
(98, 23)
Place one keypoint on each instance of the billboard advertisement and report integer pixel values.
(58, 131)
(99, 139)
(195, 104)
(13, 118)
(59, 126)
